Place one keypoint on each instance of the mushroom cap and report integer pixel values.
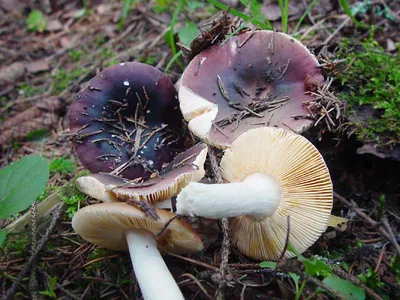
(256, 70)
(103, 118)
(105, 225)
(186, 166)
(307, 195)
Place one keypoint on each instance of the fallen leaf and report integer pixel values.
(12, 73)
(54, 25)
(37, 66)
(335, 221)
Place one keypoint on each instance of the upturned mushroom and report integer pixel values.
(126, 120)
(255, 79)
(119, 226)
(271, 173)
(185, 167)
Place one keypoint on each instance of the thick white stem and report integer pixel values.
(257, 196)
(152, 274)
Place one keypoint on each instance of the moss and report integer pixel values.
(372, 79)
(71, 196)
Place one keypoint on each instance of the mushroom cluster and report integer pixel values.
(241, 96)
(127, 131)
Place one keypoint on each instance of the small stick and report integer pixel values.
(285, 69)
(222, 88)
(166, 226)
(245, 41)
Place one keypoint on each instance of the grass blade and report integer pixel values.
(343, 4)
(172, 60)
(267, 25)
(309, 7)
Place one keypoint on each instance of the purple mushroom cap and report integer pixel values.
(127, 117)
(254, 79)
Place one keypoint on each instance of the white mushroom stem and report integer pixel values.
(256, 196)
(152, 274)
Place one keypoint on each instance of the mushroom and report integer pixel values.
(119, 226)
(126, 120)
(272, 173)
(186, 167)
(257, 78)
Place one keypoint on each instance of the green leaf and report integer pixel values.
(345, 288)
(268, 264)
(295, 278)
(188, 33)
(21, 183)
(3, 233)
(36, 21)
(314, 266)
(52, 283)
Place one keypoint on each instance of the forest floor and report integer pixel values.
(47, 58)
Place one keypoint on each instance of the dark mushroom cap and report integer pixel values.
(254, 79)
(186, 166)
(105, 114)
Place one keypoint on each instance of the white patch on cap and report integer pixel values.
(202, 60)
(126, 83)
(121, 64)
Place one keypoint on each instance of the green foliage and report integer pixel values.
(345, 7)
(169, 35)
(188, 33)
(36, 21)
(17, 245)
(370, 279)
(61, 165)
(265, 24)
(96, 253)
(344, 287)
(314, 267)
(268, 264)
(29, 90)
(37, 134)
(21, 183)
(76, 55)
(374, 79)
(62, 79)
(309, 7)
(124, 14)
(50, 291)
(147, 59)
(71, 196)
(2, 236)
(284, 8)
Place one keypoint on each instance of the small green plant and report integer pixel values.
(62, 79)
(51, 286)
(17, 245)
(124, 14)
(96, 253)
(37, 135)
(61, 165)
(36, 21)
(370, 279)
(71, 196)
(314, 267)
(20, 184)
